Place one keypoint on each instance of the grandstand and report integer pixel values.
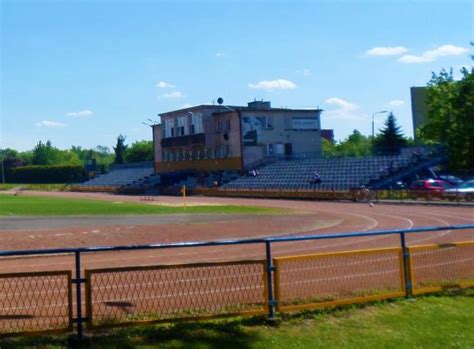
(124, 176)
(336, 174)
(277, 173)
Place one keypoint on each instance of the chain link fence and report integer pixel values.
(157, 293)
(42, 302)
(434, 268)
(36, 302)
(321, 280)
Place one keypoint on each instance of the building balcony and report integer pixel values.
(182, 141)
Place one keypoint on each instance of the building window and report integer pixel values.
(180, 126)
(269, 123)
(303, 123)
(227, 125)
(169, 128)
(280, 149)
(196, 123)
(220, 126)
(269, 150)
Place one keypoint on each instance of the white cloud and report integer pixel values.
(395, 103)
(343, 110)
(220, 54)
(164, 84)
(278, 84)
(341, 103)
(50, 124)
(432, 55)
(387, 51)
(81, 113)
(409, 59)
(173, 94)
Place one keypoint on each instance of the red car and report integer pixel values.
(428, 188)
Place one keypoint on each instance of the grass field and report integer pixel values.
(22, 205)
(426, 322)
(42, 187)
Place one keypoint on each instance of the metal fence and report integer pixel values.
(398, 195)
(45, 302)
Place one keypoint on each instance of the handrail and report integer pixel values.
(269, 239)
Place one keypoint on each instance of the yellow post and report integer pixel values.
(183, 190)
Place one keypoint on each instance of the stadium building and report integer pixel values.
(224, 137)
(256, 150)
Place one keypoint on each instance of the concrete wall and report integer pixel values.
(419, 109)
(281, 132)
(157, 136)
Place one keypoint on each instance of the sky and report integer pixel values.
(83, 72)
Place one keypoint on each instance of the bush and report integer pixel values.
(45, 174)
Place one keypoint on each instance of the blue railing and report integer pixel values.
(267, 241)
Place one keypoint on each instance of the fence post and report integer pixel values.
(78, 282)
(270, 269)
(406, 266)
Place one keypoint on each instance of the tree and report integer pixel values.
(391, 139)
(103, 150)
(355, 145)
(120, 150)
(329, 148)
(450, 118)
(139, 151)
(45, 154)
(8, 153)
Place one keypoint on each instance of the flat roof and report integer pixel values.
(226, 108)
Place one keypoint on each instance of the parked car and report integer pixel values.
(428, 188)
(451, 179)
(463, 191)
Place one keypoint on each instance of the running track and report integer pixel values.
(342, 217)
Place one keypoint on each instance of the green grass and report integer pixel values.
(42, 187)
(443, 321)
(23, 205)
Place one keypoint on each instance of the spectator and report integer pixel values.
(416, 154)
(316, 178)
(391, 167)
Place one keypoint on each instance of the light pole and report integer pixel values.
(373, 127)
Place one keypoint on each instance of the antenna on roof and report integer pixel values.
(220, 100)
